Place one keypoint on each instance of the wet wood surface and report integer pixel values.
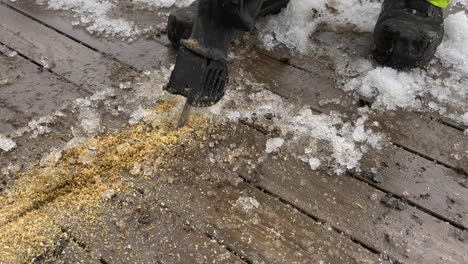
(405, 129)
(302, 214)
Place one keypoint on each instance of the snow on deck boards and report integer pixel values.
(409, 204)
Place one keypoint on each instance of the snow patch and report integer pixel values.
(273, 144)
(314, 163)
(389, 88)
(295, 24)
(433, 89)
(339, 143)
(93, 15)
(454, 49)
(166, 3)
(247, 203)
(6, 144)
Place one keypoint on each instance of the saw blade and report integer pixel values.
(184, 115)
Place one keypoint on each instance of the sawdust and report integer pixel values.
(34, 210)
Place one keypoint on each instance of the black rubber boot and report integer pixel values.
(408, 33)
(200, 73)
(180, 22)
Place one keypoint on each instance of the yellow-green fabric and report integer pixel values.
(440, 3)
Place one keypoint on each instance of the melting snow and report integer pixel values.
(314, 163)
(432, 90)
(454, 49)
(166, 3)
(247, 203)
(294, 25)
(6, 144)
(328, 137)
(93, 14)
(273, 144)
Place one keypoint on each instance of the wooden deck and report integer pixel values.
(418, 214)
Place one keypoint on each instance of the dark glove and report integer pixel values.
(408, 33)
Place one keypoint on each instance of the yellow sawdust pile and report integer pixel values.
(32, 212)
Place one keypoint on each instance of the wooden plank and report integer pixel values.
(210, 198)
(368, 215)
(67, 252)
(30, 93)
(410, 131)
(73, 253)
(447, 183)
(135, 229)
(140, 53)
(294, 83)
(407, 129)
(356, 44)
(129, 229)
(7, 120)
(64, 56)
(446, 144)
(433, 187)
(27, 85)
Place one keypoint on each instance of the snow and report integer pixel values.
(443, 90)
(319, 140)
(328, 137)
(389, 88)
(247, 203)
(166, 3)
(93, 14)
(96, 17)
(90, 119)
(6, 144)
(298, 26)
(314, 163)
(7, 51)
(39, 126)
(454, 49)
(294, 25)
(461, 3)
(273, 144)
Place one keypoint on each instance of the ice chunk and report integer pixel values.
(247, 203)
(90, 120)
(6, 144)
(273, 144)
(314, 163)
